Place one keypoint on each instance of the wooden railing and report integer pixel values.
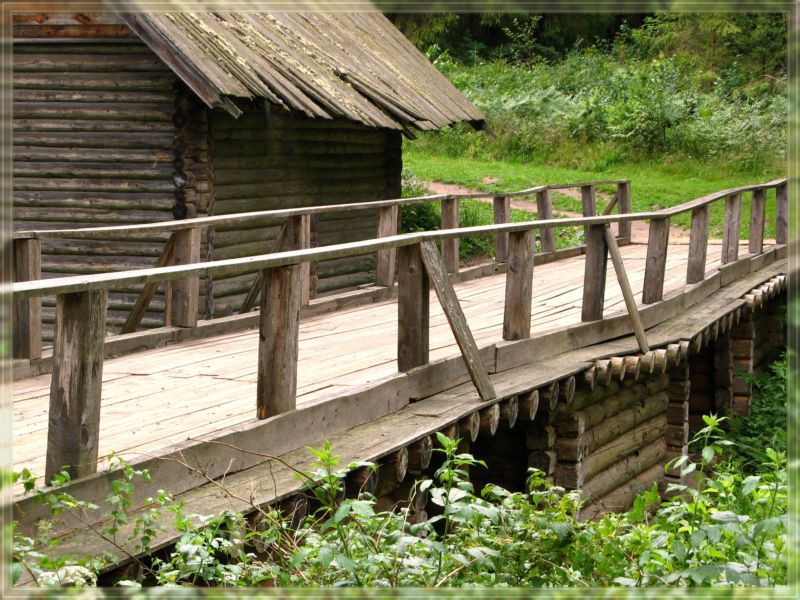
(73, 431)
(183, 247)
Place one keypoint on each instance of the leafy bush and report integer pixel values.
(593, 108)
(765, 426)
(730, 531)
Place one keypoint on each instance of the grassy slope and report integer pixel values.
(652, 185)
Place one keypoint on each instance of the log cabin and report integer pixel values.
(122, 118)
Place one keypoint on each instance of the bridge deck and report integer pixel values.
(156, 398)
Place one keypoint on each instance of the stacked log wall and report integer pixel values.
(92, 145)
(271, 159)
(611, 442)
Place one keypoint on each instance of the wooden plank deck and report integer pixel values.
(159, 397)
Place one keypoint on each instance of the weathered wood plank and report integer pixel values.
(758, 207)
(186, 291)
(450, 246)
(627, 292)
(589, 204)
(27, 322)
(413, 309)
(544, 208)
(387, 259)
(698, 245)
(149, 290)
(782, 213)
(594, 279)
(281, 299)
(519, 286)
(656, 262)
(455, 317)
(732, 224)
(624, 206)
(502, 214)
(73, 431)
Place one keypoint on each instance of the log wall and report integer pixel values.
(271, 159)
(92, 145)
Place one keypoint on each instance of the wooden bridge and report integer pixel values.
(526, 350)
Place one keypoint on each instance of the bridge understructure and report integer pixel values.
(547, 360)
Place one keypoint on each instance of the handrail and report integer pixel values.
(62, 285)
(284, 213)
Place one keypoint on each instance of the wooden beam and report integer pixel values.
(27, 322)
(299, 238)
(435, 267)
(589, 204)
(279, 330)
(73, 430)
(519, 286)
(758, 207)
(450, 246)
(255, 290)
(624, 203)
(782, 213)
(149, 290)
(502, 214)
(413, 309)
(544, 208)
(656, 262)
(627, 292)
(594, 278)
(698, 245)
(186, 291)
(732, 223)
(387, 259)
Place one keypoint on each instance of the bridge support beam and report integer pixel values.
(594, 279)
(698, 245)
(27, 324)
(279, 327)
(730, 234)
(413, 309)
(544, 208)
(656, 263)
(73, 431)
(519, 285)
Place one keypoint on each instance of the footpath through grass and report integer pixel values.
(654, 185)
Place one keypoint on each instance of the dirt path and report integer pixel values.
(639, 229)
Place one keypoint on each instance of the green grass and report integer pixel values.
(653, 185)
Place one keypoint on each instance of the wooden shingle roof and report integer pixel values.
(355, 66)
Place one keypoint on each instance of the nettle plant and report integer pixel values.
(729, 530)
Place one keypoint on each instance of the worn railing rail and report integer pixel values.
(73, 431)
(183, 247)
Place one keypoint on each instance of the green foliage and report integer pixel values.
(592, 111)
(729, 530)
(765, 426)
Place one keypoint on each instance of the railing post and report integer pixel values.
(730, 235)
(73, 431)
(300, 237)
(698, 245)
(594, 277)
(27, 323)
(589, 203)
(279, 332)
(782, 213)
(186, 292)
(387, 259)
(450, 221)
(758, 206)
(413, 308)
(624, 207)
(656, 263)
(544, 207)
(502, 214)
(519, 285)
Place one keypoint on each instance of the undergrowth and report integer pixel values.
(730, 531)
